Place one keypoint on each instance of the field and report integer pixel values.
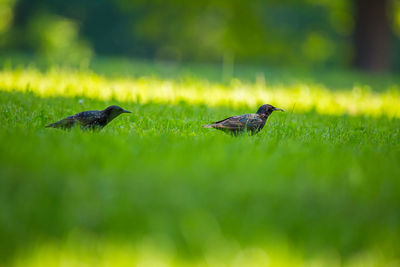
(318, 186)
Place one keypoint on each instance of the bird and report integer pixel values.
(252, 123)
(89, 120)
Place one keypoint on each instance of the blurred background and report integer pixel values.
(359, 34)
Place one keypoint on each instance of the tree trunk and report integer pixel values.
(372, 35)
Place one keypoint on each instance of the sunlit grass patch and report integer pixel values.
(155, 252)
(302, 97)
(152, 252)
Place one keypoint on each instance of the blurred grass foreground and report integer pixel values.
(319, 186)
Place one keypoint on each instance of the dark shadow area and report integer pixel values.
(358, 34)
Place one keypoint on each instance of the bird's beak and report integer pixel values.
(279, 109)
(126, 111)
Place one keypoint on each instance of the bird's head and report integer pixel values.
(114, 111)
(267, 109)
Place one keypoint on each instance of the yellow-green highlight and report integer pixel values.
(150, 253)
(302, 97)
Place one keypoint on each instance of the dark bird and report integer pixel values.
(90, 120)
(252, 123)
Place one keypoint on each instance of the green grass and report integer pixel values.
(153, 188)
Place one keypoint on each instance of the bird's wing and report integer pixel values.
(88, 118)
(232, 123)
(249, 121)
(216, 122)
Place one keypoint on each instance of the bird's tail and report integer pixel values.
(208, 126)
(51, 125)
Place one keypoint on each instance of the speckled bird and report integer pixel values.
(252, 123)
(90, 120)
